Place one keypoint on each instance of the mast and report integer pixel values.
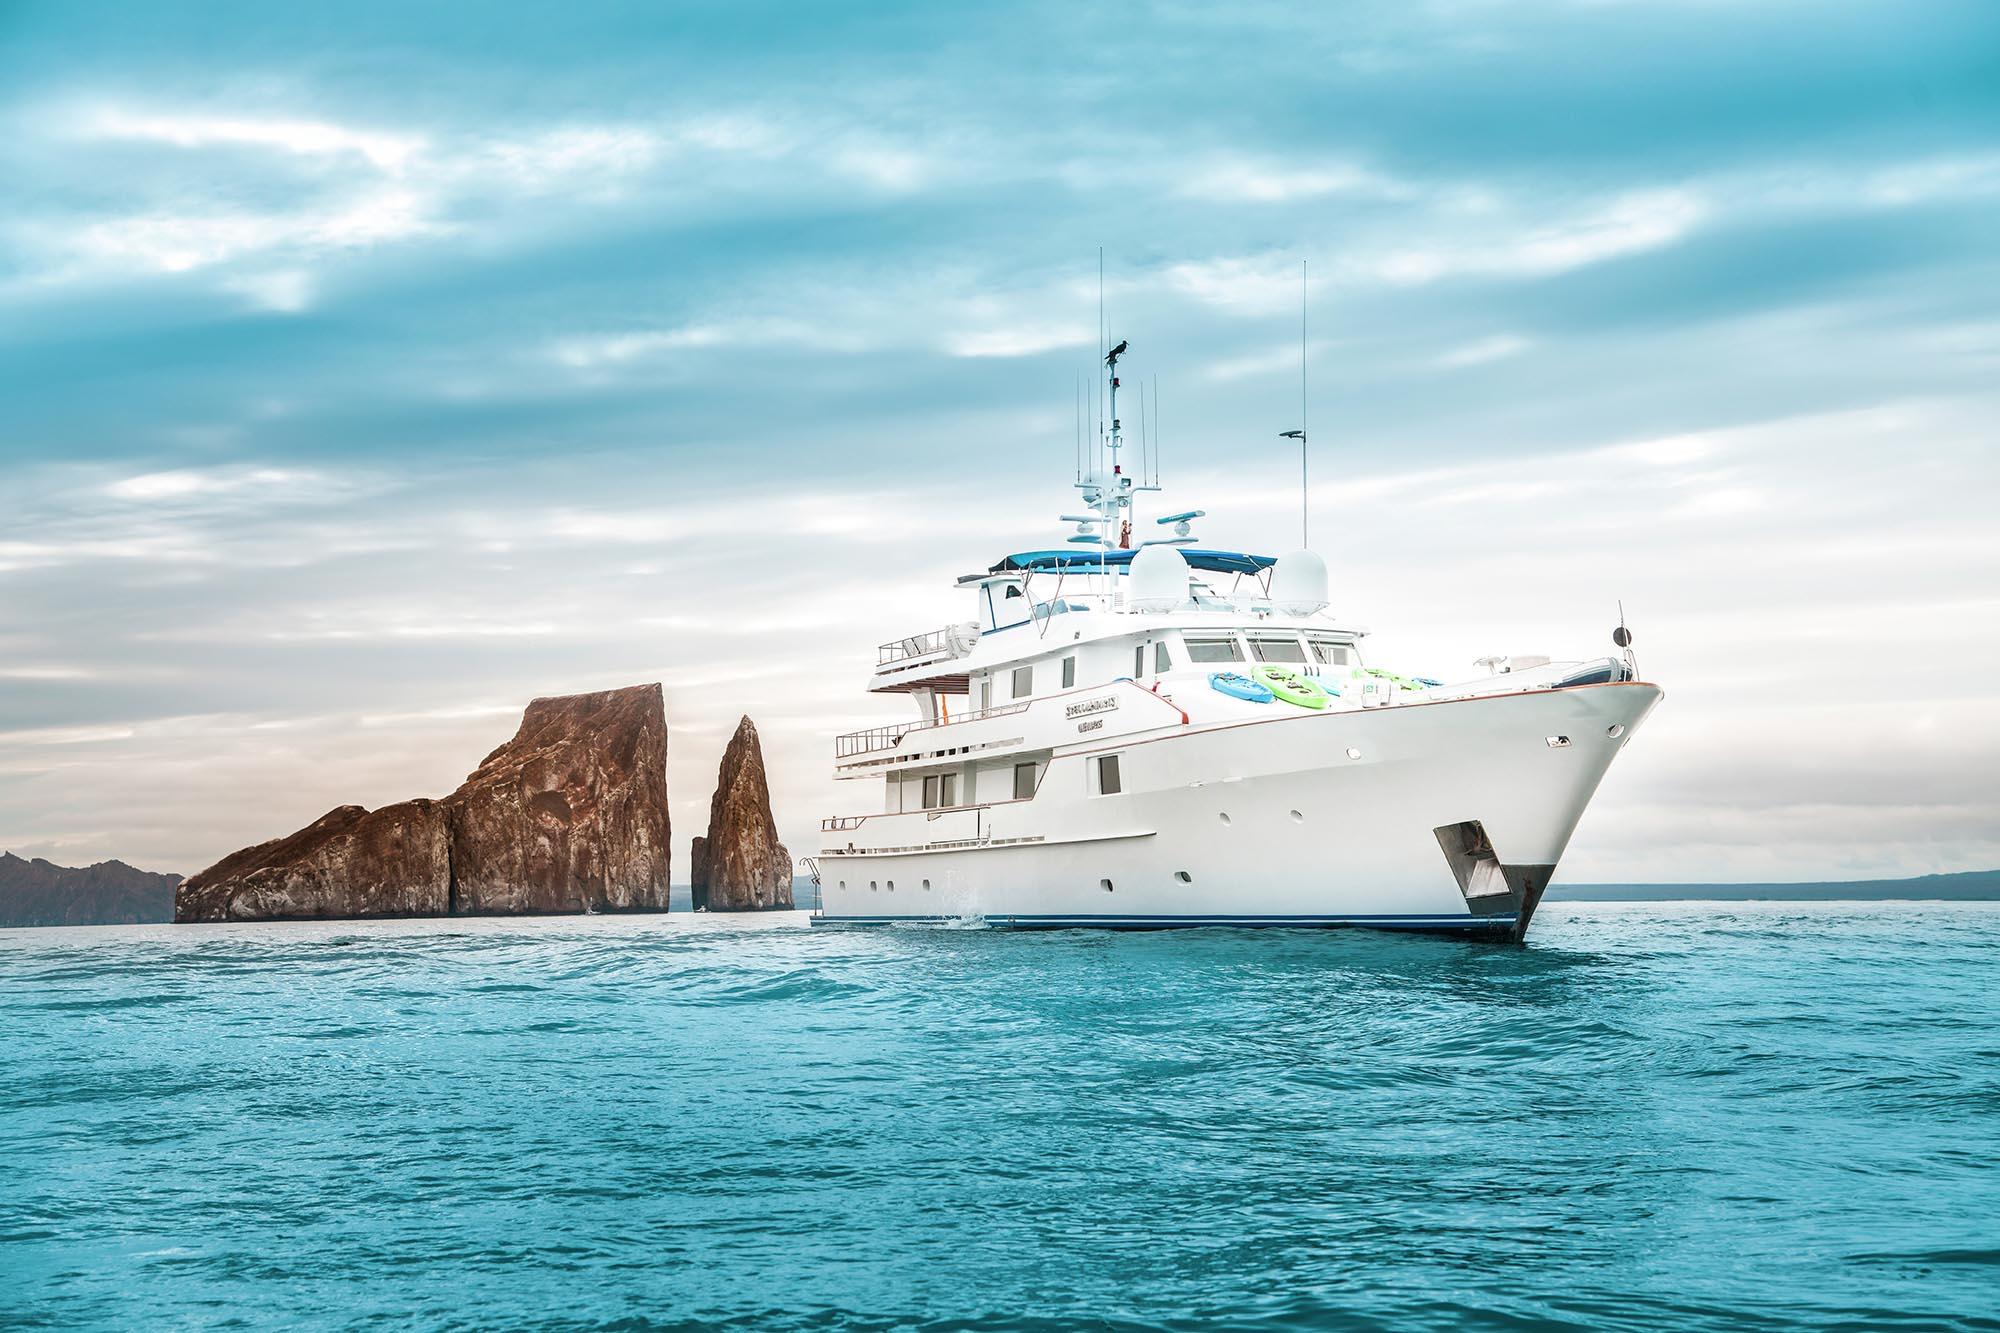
(1122, 513)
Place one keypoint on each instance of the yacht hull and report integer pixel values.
(1440, 816)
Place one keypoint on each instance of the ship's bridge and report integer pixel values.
(1031, 589)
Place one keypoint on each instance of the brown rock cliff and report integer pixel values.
(744, 866)
(569, 816)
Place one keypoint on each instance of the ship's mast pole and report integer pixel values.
(1117, 443)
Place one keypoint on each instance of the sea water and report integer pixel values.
(1659, 1116)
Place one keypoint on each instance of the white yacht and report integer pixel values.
(1170, 735)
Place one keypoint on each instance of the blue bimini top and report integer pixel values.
(1221, 562)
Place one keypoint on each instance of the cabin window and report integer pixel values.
(1024, 782)
(1330, 653)
(1069, 672)
(1271, 648)
(931, 792)
(1013, 590)
(1214, 648)
(1024, 682)
(1107, 775)
(1139, 661)
(986, 694)
(1162, 659)
(948, 789)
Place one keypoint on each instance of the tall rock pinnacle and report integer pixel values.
(744, 866)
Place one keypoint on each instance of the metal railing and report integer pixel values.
(917, 645)
(889, 737)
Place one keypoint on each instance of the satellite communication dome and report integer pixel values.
(1159, 579)
(1298, 583)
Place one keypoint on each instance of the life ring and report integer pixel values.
(1239, 687)
(1289, 685)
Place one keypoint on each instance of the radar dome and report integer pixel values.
(1298, 584)
(1159, 579)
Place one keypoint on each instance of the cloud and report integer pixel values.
(286, 291)
(256, 484)
(1266, 361)
(181, 242)
(1483, 351)
(600, 351)
(1019, 340)
(1271, 182)
(386, 151)
(1641, 220)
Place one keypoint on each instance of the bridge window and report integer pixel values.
(1214, 648)
(1331, 653)
(1024, 682)
(1162, 659)
(1274, 648)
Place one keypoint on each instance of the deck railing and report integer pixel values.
(917, 645)
(889, 737)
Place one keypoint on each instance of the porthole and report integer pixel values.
(1183, 877)
(892, 886)
(1298, 818)
(1353, 753)
(1104, 884)
(927, 885)
(843, 886)
(874, 887)
(1225, 819)
(1615, 730)
(1558, 742)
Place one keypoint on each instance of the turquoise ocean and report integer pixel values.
(1679, 1116)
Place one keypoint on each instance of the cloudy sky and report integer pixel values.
(367, 370)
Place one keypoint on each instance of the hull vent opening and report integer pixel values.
(1475, 866)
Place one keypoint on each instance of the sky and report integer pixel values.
(368, 370)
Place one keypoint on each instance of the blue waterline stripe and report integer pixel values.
(1118, 919)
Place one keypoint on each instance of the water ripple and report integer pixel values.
(1696, 1117)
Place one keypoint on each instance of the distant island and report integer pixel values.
(1971, 886)
(110, 893)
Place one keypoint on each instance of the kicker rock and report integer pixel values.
(746, 868)
(570, 815)
(351, 862)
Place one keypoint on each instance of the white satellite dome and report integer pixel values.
(1299, 584)
(1095, 483)
(1159, 579)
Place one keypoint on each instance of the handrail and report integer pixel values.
(917, 645)
(888, 738)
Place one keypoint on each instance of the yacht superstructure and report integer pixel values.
(1172, 735)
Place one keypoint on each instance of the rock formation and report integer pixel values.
(742, 867)
(110, 893)
(569, 816)
(350, 862)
